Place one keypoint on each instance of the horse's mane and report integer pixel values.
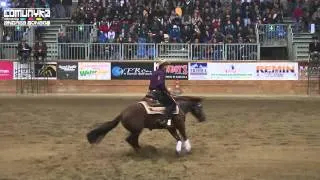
(189, 98)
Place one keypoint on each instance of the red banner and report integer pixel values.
(6, 70)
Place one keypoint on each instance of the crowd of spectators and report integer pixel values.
(305, 13)
(187, 21)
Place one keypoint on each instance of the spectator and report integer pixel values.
(314, 47)
(40, 50)
(67, 5)
(62, 39)
(316, 16)
(175, 34)
(24, 51)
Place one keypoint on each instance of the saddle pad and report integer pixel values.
(156, 110)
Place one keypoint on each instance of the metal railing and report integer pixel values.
(273, 35)
(141, 51)
(79, 33)
(13, 34)
(8, 51)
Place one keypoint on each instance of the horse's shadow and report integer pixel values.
(153, 153)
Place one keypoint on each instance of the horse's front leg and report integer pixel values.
(174, 133)
(182, 130)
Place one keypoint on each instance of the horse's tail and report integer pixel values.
(96, 135)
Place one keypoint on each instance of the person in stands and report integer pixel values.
(314, 47)
(40, 50)
(24, 51)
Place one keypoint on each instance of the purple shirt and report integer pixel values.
(157, 80)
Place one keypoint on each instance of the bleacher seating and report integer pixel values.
(162, 22)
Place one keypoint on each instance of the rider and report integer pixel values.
(161, 93)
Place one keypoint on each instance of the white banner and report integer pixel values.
(23, 71)
(276, 71)
(94, 71)
(231, 71)
(198, 71)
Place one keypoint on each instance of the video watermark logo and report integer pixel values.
(26, 17)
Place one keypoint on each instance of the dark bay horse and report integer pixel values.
(145, 114)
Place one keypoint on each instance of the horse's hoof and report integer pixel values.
(178, 153)
(189, 152)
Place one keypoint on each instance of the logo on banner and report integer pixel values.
(94, 71)
(118, 71)
(277, 71)
(23, 71)
(67, 70)
(198, 68)
(6, 70)
(46, 70)
(177, 70)
(132, 70)
(231, 71)
(198, 71)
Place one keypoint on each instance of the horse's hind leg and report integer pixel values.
(133, 140)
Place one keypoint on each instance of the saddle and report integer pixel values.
(153, 106)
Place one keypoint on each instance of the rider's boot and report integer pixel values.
(166, 121)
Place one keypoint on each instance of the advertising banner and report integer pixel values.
(131, 70)
(198, 71)
(67, 70)
(303, 71)
(94, 71)
(46, 70)
(23, 71)
(231, 71)
(176, 70)
(276, 71)
(6, 70)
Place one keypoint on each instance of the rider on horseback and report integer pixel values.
(159, 90)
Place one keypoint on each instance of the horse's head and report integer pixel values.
(193, 105)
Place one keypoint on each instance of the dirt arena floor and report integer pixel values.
(247, 139)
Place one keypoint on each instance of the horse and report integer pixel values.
(145, 113)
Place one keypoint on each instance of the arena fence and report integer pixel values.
(79, 33)
(273, 35)
(141, 51)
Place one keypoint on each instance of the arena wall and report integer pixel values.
(188, 86)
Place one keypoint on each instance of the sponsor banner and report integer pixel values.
(303, 71)
(176, 70)
(94, 71)
(67, 70)
(23, 71)
(46, 70)
(6, 70)
(132, 70)
(198, 71)
(276, 71)
(231, 71)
